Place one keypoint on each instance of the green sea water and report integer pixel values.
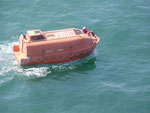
(115, 78)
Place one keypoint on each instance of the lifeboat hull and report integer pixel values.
(55, 51)
(54, 58)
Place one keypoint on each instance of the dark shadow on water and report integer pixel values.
(71, 71)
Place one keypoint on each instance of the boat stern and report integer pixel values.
(21, 59)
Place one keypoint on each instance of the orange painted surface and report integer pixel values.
(37, 47)
(15, 48)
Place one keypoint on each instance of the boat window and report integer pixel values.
(36, 32)
(50, 35)
(40, 37)
(37, 37)
(77, 31)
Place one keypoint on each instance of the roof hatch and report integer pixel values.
(34, 32)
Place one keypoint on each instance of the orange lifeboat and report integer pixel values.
(37, 47)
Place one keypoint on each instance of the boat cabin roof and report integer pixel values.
(64, 33)
(37, 34)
